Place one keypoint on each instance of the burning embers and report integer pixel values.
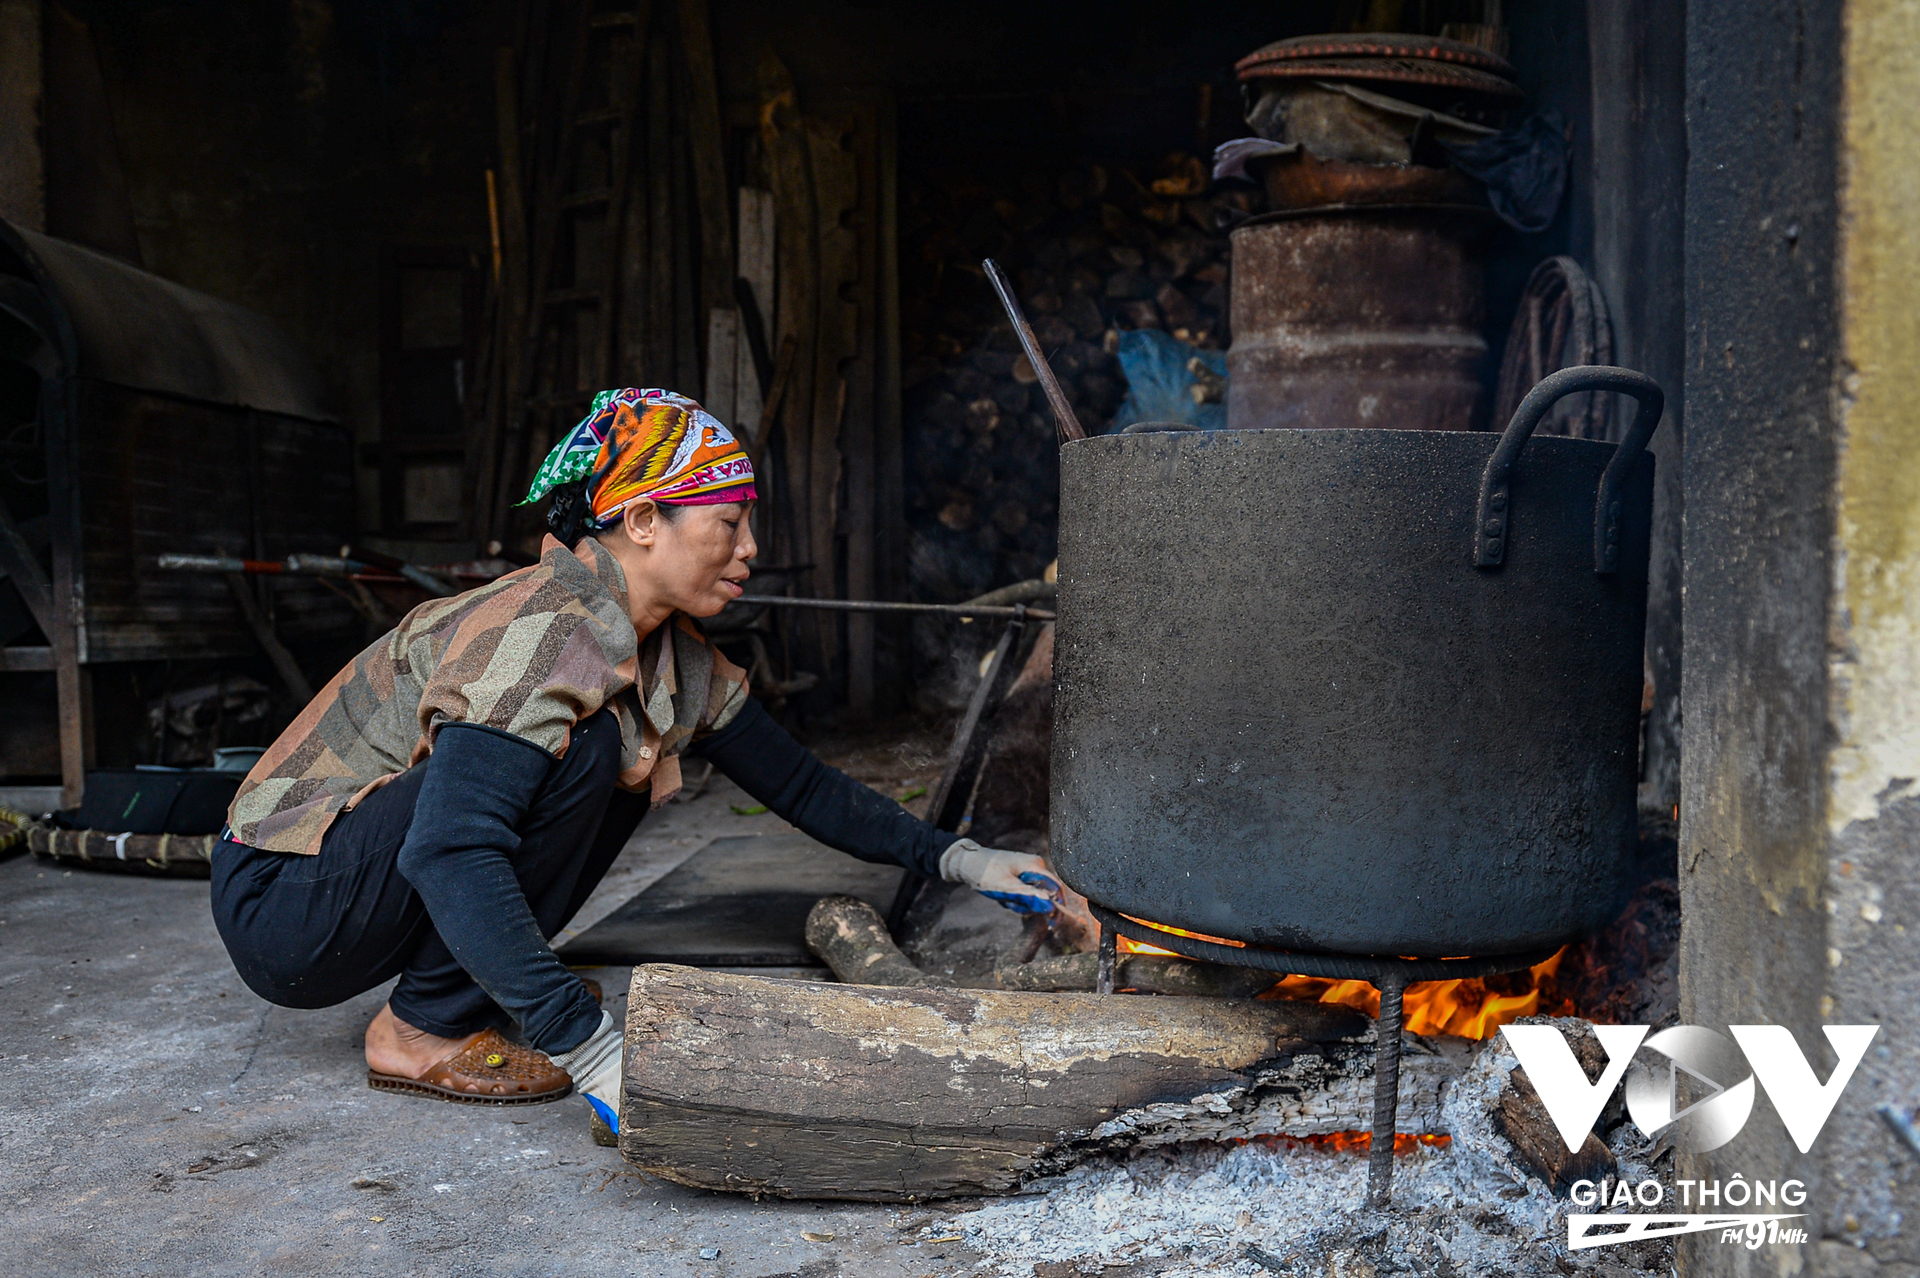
(1355, 1142)
(1471, 1005)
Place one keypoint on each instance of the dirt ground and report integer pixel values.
(158, 1118)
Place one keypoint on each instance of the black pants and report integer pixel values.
(313, 931)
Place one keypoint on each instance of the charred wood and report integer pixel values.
(1520, 1117)
(1629, 974)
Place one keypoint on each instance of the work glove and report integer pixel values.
(1021, 881)
(1018, 880)
(595, 1068)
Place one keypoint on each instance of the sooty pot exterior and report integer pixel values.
(1292, 710)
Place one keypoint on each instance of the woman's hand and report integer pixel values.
(1020, 881)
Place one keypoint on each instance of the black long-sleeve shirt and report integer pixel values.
(479, 783)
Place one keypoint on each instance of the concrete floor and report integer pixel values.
(158, 1118)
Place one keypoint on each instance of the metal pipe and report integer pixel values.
(220, 563)
(869, 605)
(420, 577)
(323, 566)
(1018, 592)
(1392, 985)
(427, 581)
(292, 566)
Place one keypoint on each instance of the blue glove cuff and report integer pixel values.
(605, 1111)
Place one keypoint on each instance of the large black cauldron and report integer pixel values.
(1355, 691)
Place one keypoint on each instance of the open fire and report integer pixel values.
(1471, 1008)
(1466, 1008)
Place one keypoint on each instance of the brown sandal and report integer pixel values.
(486, 1070)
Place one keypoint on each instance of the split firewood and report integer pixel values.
(1149, 974)
(1537, 1146)
(1105, 250)
(849, 936)
(813, 1090)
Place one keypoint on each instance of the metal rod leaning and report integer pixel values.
(1063, 415)
(918, 900)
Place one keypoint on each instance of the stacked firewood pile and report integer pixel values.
(1094, 250)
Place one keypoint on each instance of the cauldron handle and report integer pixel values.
(1495, 515)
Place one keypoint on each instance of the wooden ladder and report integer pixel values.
(565, 349)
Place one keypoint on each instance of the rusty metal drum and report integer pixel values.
(1366, 692)
(1358, 318)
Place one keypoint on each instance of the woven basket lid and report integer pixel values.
(1466, 80)
(1370, 44)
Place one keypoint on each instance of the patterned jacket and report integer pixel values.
(532, 654)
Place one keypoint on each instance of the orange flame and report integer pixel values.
(1465, 1008)
(1129, 946)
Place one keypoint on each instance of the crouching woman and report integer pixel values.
(448, 801)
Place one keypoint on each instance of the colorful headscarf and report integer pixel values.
(647, 444)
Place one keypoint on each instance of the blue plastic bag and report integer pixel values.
(1159, 387)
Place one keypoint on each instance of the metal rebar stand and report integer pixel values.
(1388, 975)
(1386, 1086)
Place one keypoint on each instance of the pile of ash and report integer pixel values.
(1297, 1209)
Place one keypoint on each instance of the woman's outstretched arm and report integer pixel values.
(822, 801)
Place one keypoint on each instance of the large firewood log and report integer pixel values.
(812, 1090)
